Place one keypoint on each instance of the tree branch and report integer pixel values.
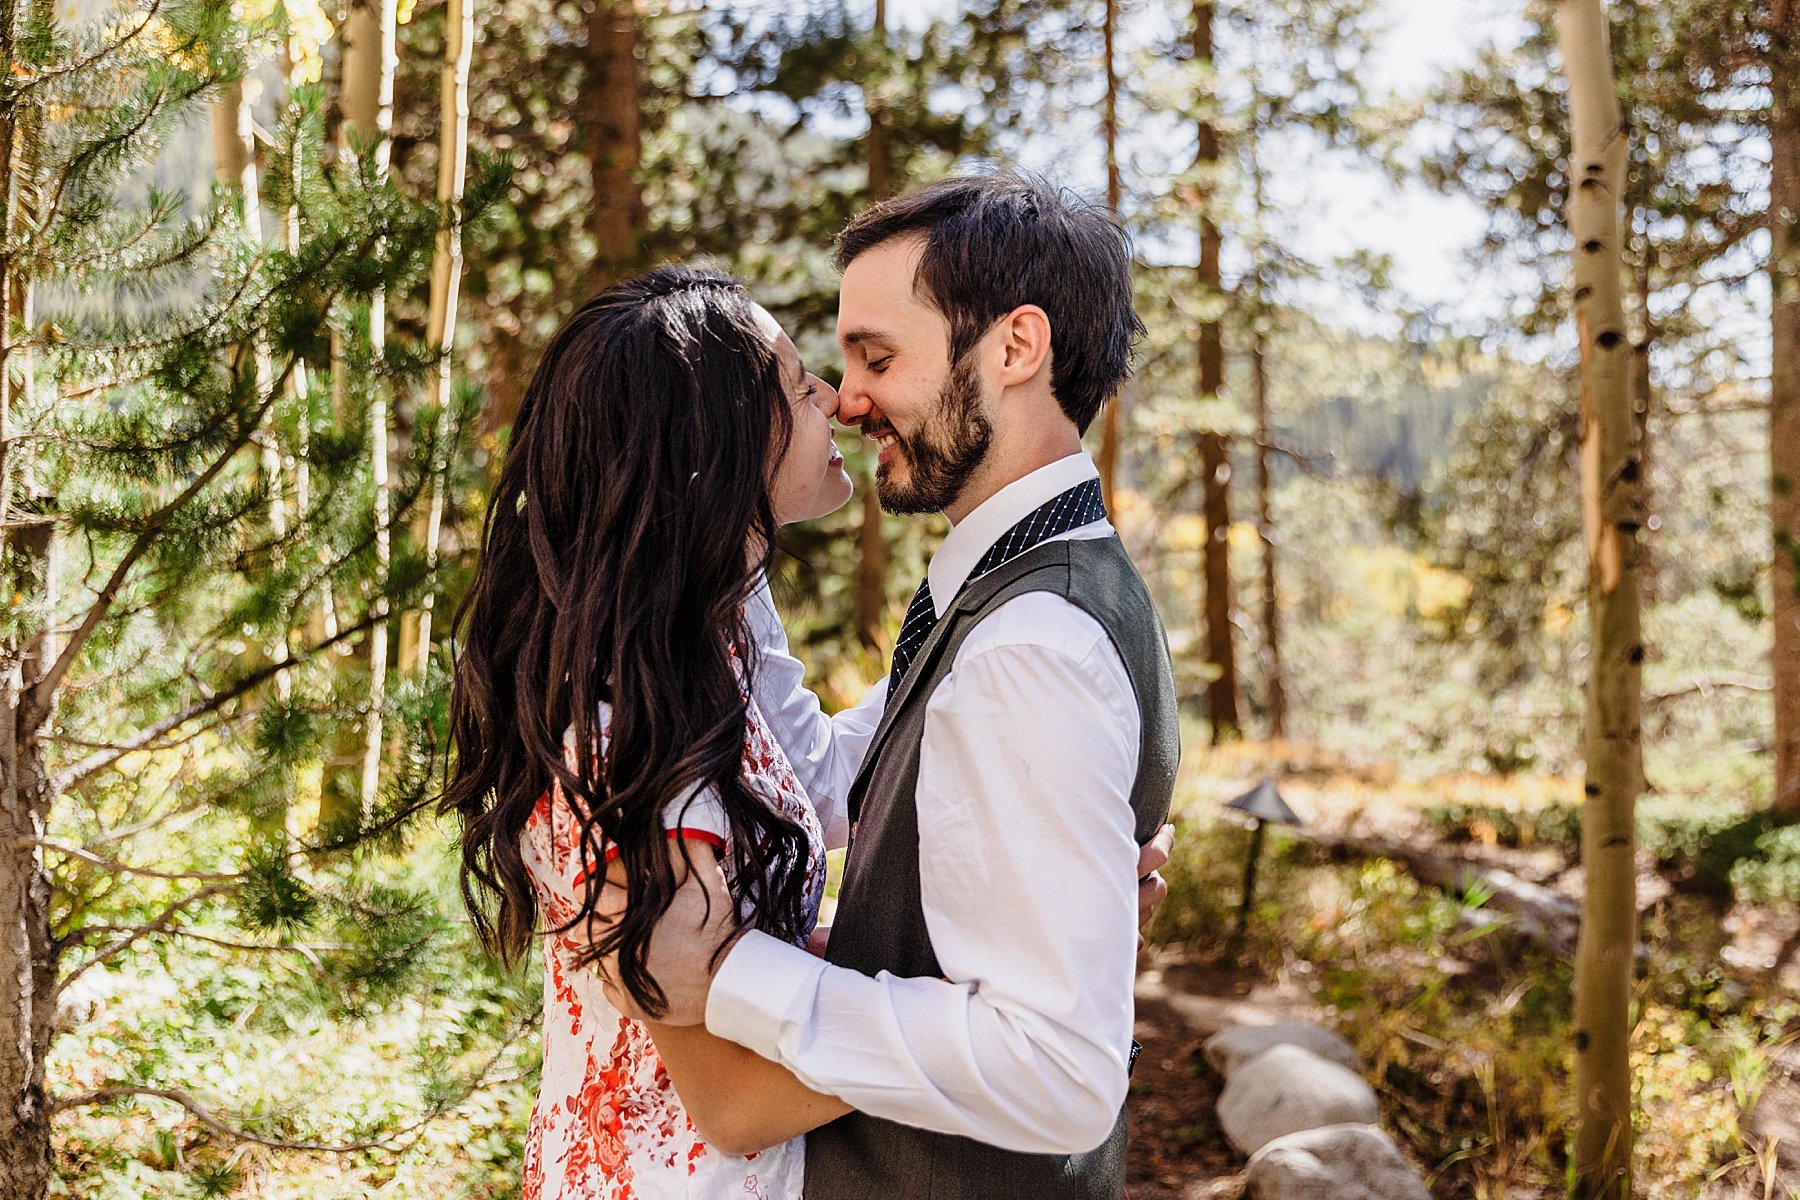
(308, 949)
(483, 1078)
(97, 762)
(1706, 685)
(45, 690)
(217, 1124)
(112, 864)
(131, 937)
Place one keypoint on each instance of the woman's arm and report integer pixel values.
(739, 1101)
(825, 752)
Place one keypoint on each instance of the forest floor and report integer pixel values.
(1178, 1151)
(1462, 1019)
(1461, 1015)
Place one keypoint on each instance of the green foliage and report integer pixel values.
(1557, 826)
(1771, 873)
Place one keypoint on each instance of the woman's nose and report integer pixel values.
(827, 396)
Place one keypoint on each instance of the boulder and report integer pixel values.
(1228, 1049)
(1338, 1162)
(1286, 1089)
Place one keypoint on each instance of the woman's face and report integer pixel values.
(810, 479)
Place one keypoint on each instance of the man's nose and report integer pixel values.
(853, 402)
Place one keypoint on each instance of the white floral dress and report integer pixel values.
(608, 1124)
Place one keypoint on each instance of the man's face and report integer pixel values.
(927, 414)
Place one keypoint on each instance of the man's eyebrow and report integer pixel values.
(858, 336)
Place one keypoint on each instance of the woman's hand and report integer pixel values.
(689, 941)
(1153, 855)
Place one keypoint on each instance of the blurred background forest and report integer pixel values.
(275, 273)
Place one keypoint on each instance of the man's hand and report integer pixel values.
(1152, 856)
(681, 958)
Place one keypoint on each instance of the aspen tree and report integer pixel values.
(440, 331)
(27, 657)
(1784, 393)
(367, 105)
(1108, 458)
(612, 115)
(1605, 954)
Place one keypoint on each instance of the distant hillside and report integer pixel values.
(1374, 407)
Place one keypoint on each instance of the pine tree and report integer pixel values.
(141, 546)
(1213, 446)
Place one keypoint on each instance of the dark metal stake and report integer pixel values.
(1256, 841)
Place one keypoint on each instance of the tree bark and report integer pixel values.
(1108, 460)
(28, 958)
(321, 617)
(1265, 528)
(1275, 685)
(1784, 423)
(1643, 403)
(1610, 472)
(871, 538)
(440, 331)
(234, 165)
(1215, 459)
(612, 116)
(234, 162)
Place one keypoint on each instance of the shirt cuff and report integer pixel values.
(760, 987)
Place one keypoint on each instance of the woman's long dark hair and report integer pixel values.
(615, 562)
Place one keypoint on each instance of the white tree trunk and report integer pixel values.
(1610, 510)
(367, 103)
(446, 274)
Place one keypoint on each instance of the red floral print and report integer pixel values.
(608, 1122)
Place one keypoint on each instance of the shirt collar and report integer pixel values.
(971, 537)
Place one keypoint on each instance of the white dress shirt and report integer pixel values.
(1027, 871)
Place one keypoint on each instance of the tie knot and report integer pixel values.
(1080, 505)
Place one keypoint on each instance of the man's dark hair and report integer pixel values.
(994, 242)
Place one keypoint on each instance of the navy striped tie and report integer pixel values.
(1080, 505)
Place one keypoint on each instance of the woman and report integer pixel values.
(603, 712)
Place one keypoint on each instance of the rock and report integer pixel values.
(1228, 1049)
(1286, 1089)
(1338, 1162)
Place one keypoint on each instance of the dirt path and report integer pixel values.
(1177, 1150)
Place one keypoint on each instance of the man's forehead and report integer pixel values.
(879, 299)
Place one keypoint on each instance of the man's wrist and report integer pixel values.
(761, 985)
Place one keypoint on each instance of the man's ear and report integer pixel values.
(1024, 344)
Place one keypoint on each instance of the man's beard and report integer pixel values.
(944, 453)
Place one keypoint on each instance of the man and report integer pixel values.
(975, 1003)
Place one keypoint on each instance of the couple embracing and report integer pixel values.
(644, 780)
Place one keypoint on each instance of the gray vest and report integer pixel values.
(880, 923)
